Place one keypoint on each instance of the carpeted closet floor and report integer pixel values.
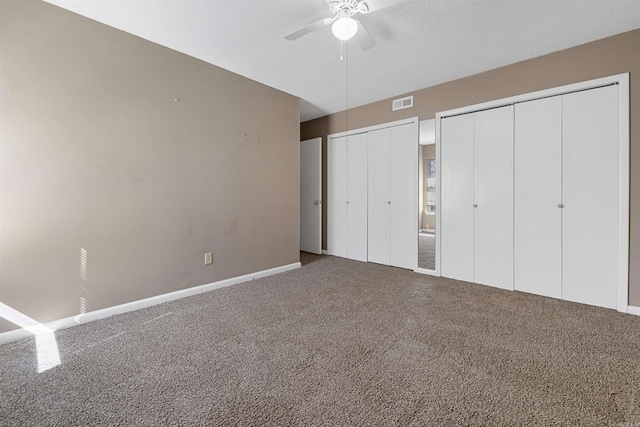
(337, 342)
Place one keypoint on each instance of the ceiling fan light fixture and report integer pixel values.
(344, 28)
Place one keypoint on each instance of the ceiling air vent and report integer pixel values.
(399, 104)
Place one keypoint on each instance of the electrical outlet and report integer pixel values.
(208, 258)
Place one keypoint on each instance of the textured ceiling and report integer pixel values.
(420, 43)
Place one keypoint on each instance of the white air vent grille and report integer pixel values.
(399, 104)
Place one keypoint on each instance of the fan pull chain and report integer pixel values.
(341, 46)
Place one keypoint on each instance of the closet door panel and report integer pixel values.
(357, 197)
(379, 197)
(337, 192)
(457, 197)
(591, 196)
(538, 185)
(404, 176)
(493, 216)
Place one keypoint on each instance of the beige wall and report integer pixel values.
(613, 55)
(96, 154)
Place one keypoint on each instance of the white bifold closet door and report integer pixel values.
(357, 197)
(392, 208)
(379, 197)
(591, 191)
(477, 197)
(531, 196)
(456, 223)
(403, 159)
(337, 197)
(493, 197)
(347, 222)
(372, 196)
(538, 197)
(567, 196)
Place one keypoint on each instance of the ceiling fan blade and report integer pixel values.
(309, 29)
(368, 6)
(363, 38)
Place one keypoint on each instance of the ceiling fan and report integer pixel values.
(343, 26)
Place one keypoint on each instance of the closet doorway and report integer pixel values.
(535, 192)
(427, 196)
(372, 176)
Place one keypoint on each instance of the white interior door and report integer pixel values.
(379, 212)
(493, 198)
(538, 192)
(403, 161)
(337, 193)
(456, 219)
(357, 197)
(591, 191)
(311, 195)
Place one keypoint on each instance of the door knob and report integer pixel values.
(560, 205)
(475, 205)
(317, 202)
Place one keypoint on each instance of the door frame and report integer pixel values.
(622, 80)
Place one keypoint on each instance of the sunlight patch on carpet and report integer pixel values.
(46, 344)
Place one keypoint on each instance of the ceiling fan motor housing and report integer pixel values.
(344, 8)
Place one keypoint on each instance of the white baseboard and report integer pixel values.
(55, 325)
(325, 252)
(633, 310)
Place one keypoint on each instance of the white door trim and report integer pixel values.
(374, 127)
(622, 80)
(560, 90)
(623, 243)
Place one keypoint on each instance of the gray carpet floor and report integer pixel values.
(337, 342)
